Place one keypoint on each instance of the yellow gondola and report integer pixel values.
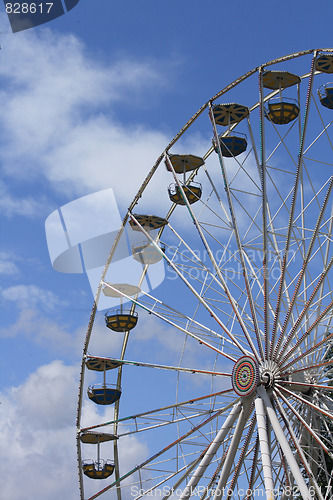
(192, 191)
(120, 320)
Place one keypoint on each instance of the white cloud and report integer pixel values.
(58, 120)
(38, 437)
(120, 157)
(61, 121)
(46, 393)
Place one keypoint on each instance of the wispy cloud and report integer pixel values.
(12, 205)
(7, 264)
(31, 296)
(53, 335)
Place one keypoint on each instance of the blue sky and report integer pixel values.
(87, 103)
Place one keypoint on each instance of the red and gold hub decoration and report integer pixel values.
(245, 376)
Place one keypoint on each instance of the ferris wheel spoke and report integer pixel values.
(308, 352)
(307, 385)
(247, 407)
(303, 422)
(324, 130)
(213, 277)
(228, 221)
(298, 447)
(186, 469)
(253, 144)
(242, 169)
(284, 265)
(301, 316)
(306, 402)
(164, 367)
(283, 198)
(255, 278)
(242, 457)
(264, 214)
(264, 449)
(281, 438)
(282, 142)
(303, 337)
(315, 199)
(273, 240)
(161, 424)
(172, 407)
(195, 256)
(253, 223)
(271, 236)
(309, 367)
(200, 330)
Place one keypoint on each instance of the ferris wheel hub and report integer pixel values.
(267, 378)
(268, 373)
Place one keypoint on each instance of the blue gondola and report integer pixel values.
(232, 145)
(325, 93)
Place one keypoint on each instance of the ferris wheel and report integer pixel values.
(219, 383)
